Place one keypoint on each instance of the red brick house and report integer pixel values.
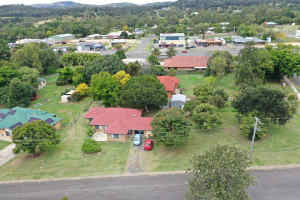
(118, 124)
(171, 83)
(186, 62)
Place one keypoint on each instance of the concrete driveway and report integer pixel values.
(7, 154)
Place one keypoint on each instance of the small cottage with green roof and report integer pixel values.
(14, 117)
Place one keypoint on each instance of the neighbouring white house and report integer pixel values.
(67, 97)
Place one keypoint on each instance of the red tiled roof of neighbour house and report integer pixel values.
(186, 61)
(119, 120)
(93, 112)
(170, 82)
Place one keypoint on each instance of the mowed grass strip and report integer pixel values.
(3, 144)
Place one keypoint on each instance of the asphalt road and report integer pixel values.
(141, 50)
(271, 185)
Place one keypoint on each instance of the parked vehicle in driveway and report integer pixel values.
(137, 140)
(148, 145)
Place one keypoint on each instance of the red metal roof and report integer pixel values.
(170, 82)
(186, 61)
(119, 120)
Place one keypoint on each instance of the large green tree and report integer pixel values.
(266, 103)
(20, 93)
(171, 127)
(38, 56)
(221, 174)
(286, 60)
(30, 75)
(121, 54)
(78, 75)
(77, 59)
(206, 116)
(111, 64)
(252, 67)
(133, 68)
(4, 50)
(248, 30)
(156, 52)
(153, 59)
(106, 88)
(7, 73)
(220, 63)
(144, 92)
(35, 137)
(201, 29)
(171, 52)
(65, 76)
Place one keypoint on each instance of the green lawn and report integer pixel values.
(66, 160)
(189, 81)
(49, 100)
(281, 146)
(3, 144)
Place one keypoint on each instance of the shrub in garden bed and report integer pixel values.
(91, 146)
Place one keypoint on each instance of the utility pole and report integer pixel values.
(254, 133)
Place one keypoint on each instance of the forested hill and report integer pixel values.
(75, 9)
(62, 4)
(53, 10)
(226, 3)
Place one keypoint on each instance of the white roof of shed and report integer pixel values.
(178, 97)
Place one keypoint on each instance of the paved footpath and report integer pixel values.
(7, 154)
(271, 185)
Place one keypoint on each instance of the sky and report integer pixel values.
(98, 2)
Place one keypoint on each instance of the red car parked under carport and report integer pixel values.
(148, 145)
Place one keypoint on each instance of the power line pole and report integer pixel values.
(254, 133)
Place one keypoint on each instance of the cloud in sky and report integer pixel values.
(98, 2)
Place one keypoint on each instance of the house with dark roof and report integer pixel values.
(118, 124)
(14, 117)
(171, 83)
(186, 62)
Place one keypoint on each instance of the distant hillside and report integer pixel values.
(76, 9)
(159, 4)
(62, 4)
(119, 5)
(225, 3)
